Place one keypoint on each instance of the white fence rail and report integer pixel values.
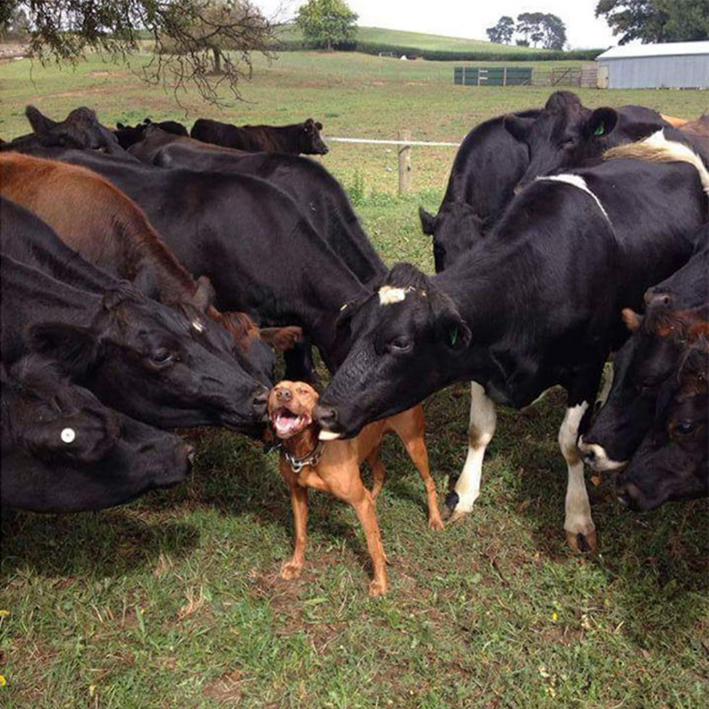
(404, 142)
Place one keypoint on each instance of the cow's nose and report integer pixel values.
(658, 299)
(284, 395)
(259, 402)
(326, 416)
(629, 495)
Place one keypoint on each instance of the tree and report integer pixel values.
(542, 27)
(326, 23)
(656, 20)
(502, 32)
(553, 31)
(184, 33)
(14, 23)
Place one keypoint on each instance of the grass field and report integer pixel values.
(414, 40)
(174, 600)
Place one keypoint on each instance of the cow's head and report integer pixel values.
(311, 143)
(560, 135)
(166, 366)
(641, 368)
(64, 451)
(406, 338)
(671, 463)
(455, 229)
(130, 135)
(80, 129)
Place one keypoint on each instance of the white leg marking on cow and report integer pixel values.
(578, 509)
(483, 420)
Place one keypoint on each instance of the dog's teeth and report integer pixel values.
(329, 436)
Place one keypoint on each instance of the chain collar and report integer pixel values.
(309, 459)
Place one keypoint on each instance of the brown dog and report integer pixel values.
(334, 467)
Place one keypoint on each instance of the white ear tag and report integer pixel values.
(68, 435)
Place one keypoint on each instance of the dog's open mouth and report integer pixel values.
(287, 424)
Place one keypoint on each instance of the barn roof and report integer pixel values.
(668, 49)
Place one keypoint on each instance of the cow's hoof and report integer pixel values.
(291, 571)
(378, 588)
(583, 543)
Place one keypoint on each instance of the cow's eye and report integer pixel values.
(685, 428)
(161, 357)
(400, 344)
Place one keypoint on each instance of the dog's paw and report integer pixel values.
(378, 588)
(291, 570)
(435, 523)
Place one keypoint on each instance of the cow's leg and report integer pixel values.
(482, 428)
(578, 525)
(300, 366)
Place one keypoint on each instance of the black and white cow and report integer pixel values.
(535, 305)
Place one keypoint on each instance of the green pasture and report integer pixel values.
(175, 600)
(417, 40)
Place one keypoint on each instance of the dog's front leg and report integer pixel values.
(299, 502)
(364, 507)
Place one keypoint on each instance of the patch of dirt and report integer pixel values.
(106, 74)
(226, 689)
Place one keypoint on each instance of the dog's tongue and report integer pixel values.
(287, 424)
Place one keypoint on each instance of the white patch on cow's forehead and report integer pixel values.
(578, 181)
(394, 294)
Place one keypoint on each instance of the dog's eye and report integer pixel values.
(684, 429)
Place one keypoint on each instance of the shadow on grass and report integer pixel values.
(97, 544)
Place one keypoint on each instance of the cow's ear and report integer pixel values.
(600, 123)
(632, 320)
(146, 121)
(74, 348)
(517, 126)
(146, 282)
(450, 327)
(318, 125)
(40, 123)
(120, 125)
(427, 221)
(203, 295)
(282, 338)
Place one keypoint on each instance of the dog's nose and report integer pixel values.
(284, 395)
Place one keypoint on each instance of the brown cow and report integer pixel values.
(109, 230)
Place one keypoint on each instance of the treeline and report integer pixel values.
(448, 55)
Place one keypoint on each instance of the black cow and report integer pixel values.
(80, 129)
(294, 139)
(130, 135)
(260, 252)
(158, 364)
(566, 134)
(672, 462)
(487, 167)
(318, 194)
(64, 451)
(645, 362)
(533, 305)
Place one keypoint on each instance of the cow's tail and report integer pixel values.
(656, 148)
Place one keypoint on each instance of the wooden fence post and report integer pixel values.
(404, 163)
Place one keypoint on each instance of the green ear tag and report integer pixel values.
(600, 130)
(453, 336)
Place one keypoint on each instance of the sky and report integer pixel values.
(466, 18)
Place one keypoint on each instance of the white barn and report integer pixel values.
(675, 65)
